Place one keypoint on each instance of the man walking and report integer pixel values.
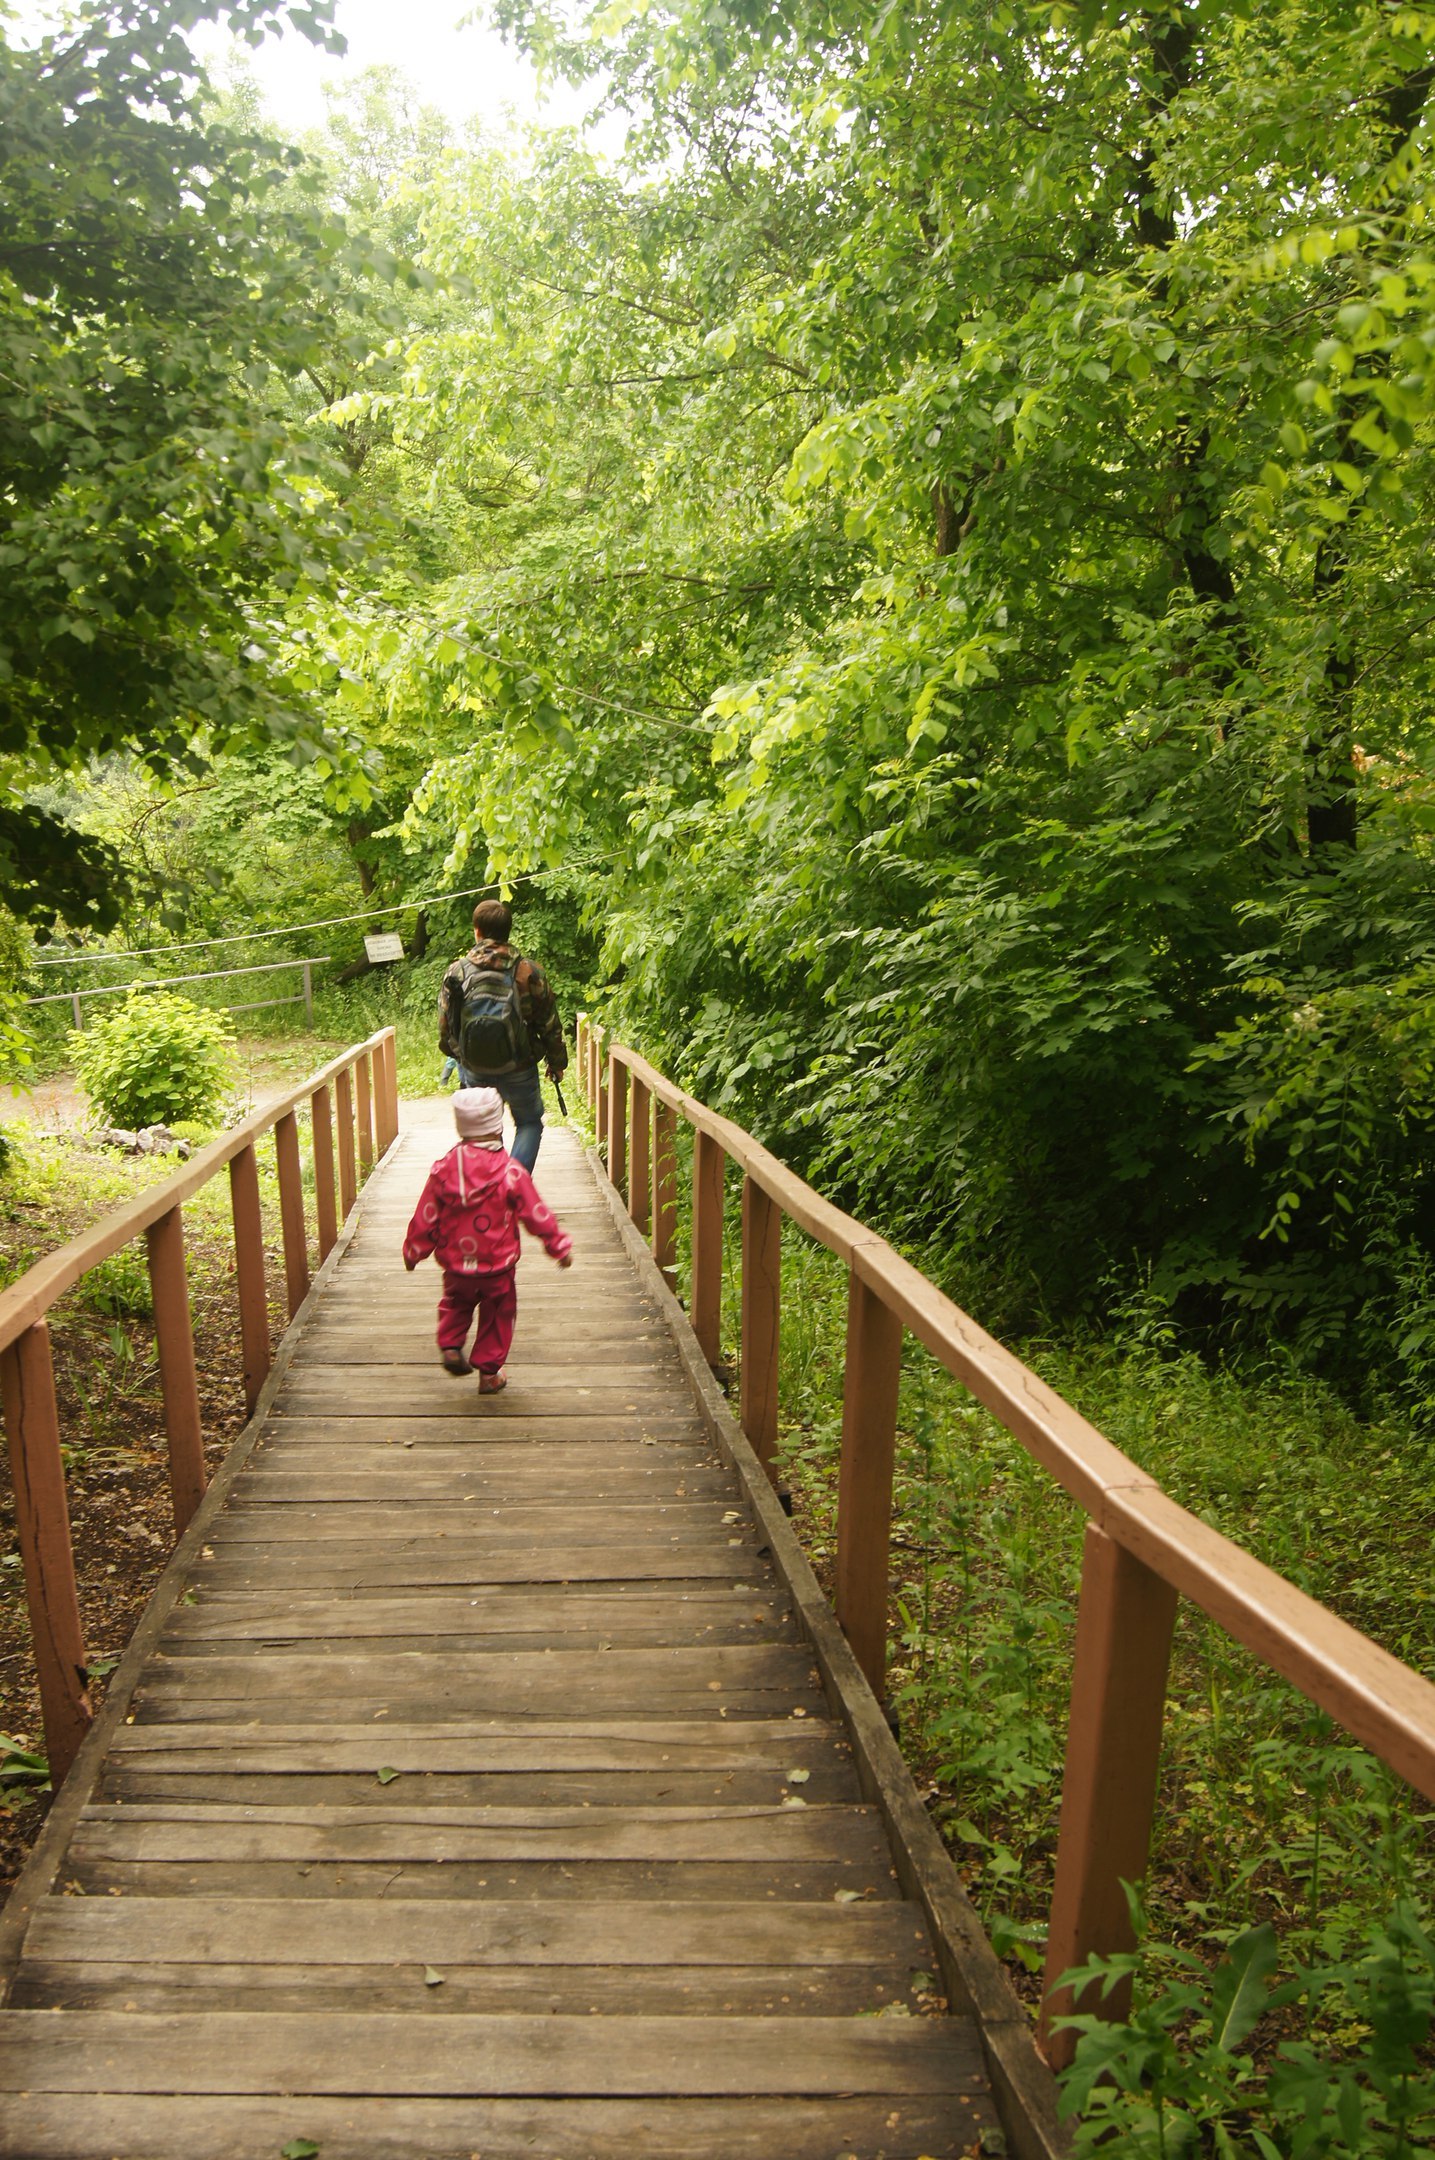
(496, 1015)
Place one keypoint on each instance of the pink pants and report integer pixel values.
(496, 1297)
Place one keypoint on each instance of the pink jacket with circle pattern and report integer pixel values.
(469, 1211)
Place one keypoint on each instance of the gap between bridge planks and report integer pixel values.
(491, 1724)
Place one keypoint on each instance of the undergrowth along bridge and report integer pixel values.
(492, 1777)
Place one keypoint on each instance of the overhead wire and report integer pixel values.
(249, 937)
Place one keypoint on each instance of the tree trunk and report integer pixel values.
(1331, 807)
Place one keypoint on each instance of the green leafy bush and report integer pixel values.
(159, 1057)
(1178, 2077)
(120, 1286)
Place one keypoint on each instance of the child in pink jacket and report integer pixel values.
(467, 1217)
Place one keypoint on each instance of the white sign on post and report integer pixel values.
(384, 945)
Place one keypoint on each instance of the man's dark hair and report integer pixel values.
(493, 919)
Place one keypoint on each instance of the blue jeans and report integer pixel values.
(523, 1093)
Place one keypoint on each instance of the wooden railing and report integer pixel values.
(362, 1115)
(1142, 1551)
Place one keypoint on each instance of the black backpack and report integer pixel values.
(492, 1032)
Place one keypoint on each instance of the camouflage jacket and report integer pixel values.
(536, 1002)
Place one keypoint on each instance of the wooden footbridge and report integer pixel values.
(491, 1778)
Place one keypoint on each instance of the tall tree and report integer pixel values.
(162, 275)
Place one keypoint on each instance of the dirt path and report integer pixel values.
(58, 1103)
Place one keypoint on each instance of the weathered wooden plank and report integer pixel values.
(592, 1678)
(411, 1390)
(207, 2052)
(562, 1881)
(513, 1609)
(898, 2125)
(289, 1450)
(257, 1786)
(478, 1426)
(541, 1743)
(235, 1931)
(353, 1564)
(357, 1348)
(252, 1515)
(337, 1483)
(340, 1640)
(850, 1990)
(433, 1835)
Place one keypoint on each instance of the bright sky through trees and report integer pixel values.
(462, 66)
(466, 72)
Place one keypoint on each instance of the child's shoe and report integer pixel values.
(491, 1383)
(456, 1363)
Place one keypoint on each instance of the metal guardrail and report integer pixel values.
(1142, 1552)
(363, 1116)
(75, 998)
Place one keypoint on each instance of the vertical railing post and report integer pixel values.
(363, 1078)
(391, 1067)
(709, 1164)
(344, 1114)
(77, 1009)
(600, 1096)
(1124, 1626)
(618, 1123)
(249, 1268)
(665, 1189)
(864, 1493)
(580, 1053)
(386, 1106)
(640, 1156)
(179, 1385)
(291, 1210)
(761, 1309)
(322, 1130)
(42, 1527)
(308, 991)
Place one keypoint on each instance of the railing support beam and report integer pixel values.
(761, 1320)
(600, 1090)
(179, 1384)
(363, 1080)
(665, 1190)
(1113, 1755)
(386, 1091)
(344, 1112)
(640, 1157)
(322, 1129)
(250, 1272)
(618, 1124)
(42, 1526)
(864, 1493)
(291, 1210)
(709, 1163)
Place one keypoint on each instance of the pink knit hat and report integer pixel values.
(478, 1114)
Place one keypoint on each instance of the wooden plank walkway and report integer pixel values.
(471, 1789)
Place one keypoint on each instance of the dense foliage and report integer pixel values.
(163, 277)
(948, 566)
(927, 562)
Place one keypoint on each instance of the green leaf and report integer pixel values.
(1238, 1987)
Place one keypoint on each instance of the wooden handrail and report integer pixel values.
(27, 1376)
(29, 1299)
(1142, 1549)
